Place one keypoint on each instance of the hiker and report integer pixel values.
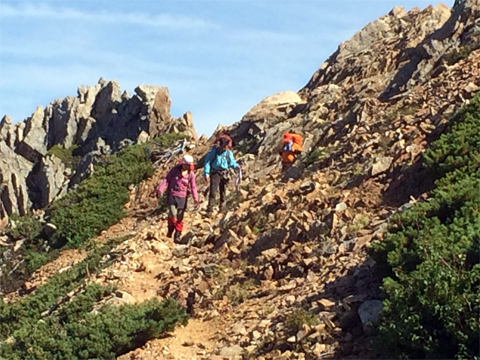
(217, 163)
(180, 179)
(291, 147)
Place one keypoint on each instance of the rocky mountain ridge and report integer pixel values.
(285, 273)
(380, 66)
(100, 120)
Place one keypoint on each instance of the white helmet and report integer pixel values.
(187, 159)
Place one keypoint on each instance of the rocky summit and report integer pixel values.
(99, 121)
(285, 273)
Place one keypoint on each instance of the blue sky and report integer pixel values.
(217, 58)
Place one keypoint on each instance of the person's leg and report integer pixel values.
(181, 207)
(286, 166)
(214, 184)
(172, 215)
(222, 186)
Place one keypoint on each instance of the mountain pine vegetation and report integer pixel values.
(431, 255)
(98, 202)
(51, 324)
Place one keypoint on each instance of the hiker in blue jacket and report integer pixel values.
(219, 159)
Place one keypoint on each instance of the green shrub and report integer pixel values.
(98, 202)
(66, 155)
(35, 260)
(314, 155)
(23, 227)
(299, 317)
(431, 255)
(169, 139)
(29, 308)
(75, 332)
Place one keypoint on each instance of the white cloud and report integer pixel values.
(39, 10)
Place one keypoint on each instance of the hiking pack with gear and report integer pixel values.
(218, 161)
(179, 182)
(291, 147)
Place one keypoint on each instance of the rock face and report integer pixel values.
(97, 121)
(386, 61)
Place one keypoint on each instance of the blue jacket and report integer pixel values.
(218, 161)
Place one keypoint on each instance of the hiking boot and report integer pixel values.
(171, 228)
(177, 236)
(222, 209)
(208, 212)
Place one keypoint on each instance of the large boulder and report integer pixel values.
(272, 105)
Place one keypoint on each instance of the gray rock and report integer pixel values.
(381, 165)
(369, 311)
(51, 179)
(230, 351)
(34, 140)
(180, 250)
(340, 207)
(14, 170)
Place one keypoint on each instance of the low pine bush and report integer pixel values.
(98, 202)
(30, 308)
(169, 139)
(431, 255)
(47, 324)
(77, 332)
(26, 227)
(66, 155)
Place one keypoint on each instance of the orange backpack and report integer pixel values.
(296, 138)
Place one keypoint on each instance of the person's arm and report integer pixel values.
(193, 187)
(231, 160)
(208, 160)
(165, 182)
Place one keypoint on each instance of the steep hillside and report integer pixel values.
(285, 274)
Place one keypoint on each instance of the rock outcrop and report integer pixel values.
(95, 122)
(384, 63)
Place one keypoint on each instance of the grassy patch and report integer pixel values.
(295, 320)
(50, 324)
(314, 155)
(359, 223)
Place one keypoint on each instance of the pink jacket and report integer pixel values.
(178, 185)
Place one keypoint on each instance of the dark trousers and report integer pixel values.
(286, 166)
(176, 211)
(218, 181)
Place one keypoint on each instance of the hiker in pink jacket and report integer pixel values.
(179, 181)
